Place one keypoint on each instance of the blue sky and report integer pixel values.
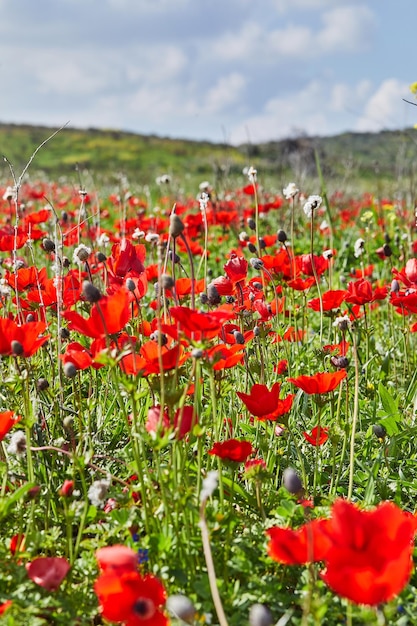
(209, 69)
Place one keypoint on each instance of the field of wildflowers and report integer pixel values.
(208, 406)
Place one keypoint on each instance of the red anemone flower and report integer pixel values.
(131, 598)
(410, 270)
(21, 340)
(265, 404)
(323, 382)
(331, 299)
(48, 571)
(7, 421)
(107, 317)
(300, 284)
(125, 257)
(307, 544)
(6, 605)
(192, 321)
(360, 292)
(232, 450)
(183, 286)
(12, 242)
(370, 560)
(185, 419)
(305, 264)
(78, 355)
(236, 268)
(318, 436)
(117, 559)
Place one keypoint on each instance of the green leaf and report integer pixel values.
(389, 403)
(7, 502)
(390, 424)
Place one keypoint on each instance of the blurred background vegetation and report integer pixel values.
(382, 162)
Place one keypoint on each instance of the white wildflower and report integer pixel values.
(328, 254)
(342, 322)
(290, 191)
(10, 194)
(165, 179)
(81, 254)
(152, 237)
(313, 203)
(98, 492)
(252, 174)
(17, 445)
(205, 186)
(138, 234)
(103, 240)
(359, 247)
(209, 485)
(5, 289)
(203, 200)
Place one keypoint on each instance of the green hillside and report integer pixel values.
(356, 157)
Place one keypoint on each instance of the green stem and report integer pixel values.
(355, 419)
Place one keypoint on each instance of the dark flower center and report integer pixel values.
(144, 608)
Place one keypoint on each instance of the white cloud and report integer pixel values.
(385, 108)
(65, 74)
(147, 6)
(280, 117)
(321, 108)
(346, 97)
(227, 91)
(151, 64)
(346, 29)
(284, 6)
(238, 46)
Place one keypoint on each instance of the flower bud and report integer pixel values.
(167, 281)
(257, 264)
(48, 245)
(395, 286)
(291, 481)
(260, 615)
(213, 295)
(130, 285)
(70, 369)
(17, 348)
(239, 338)
(340, 362)
(181, 607)
(90, 292)
(282, 236)
(64, 333)
(174, 257)
(42, 384)
(379, 430)
(176, 226)
(387, 250)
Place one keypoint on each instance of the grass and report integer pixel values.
(357, 159)
(120, 399)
